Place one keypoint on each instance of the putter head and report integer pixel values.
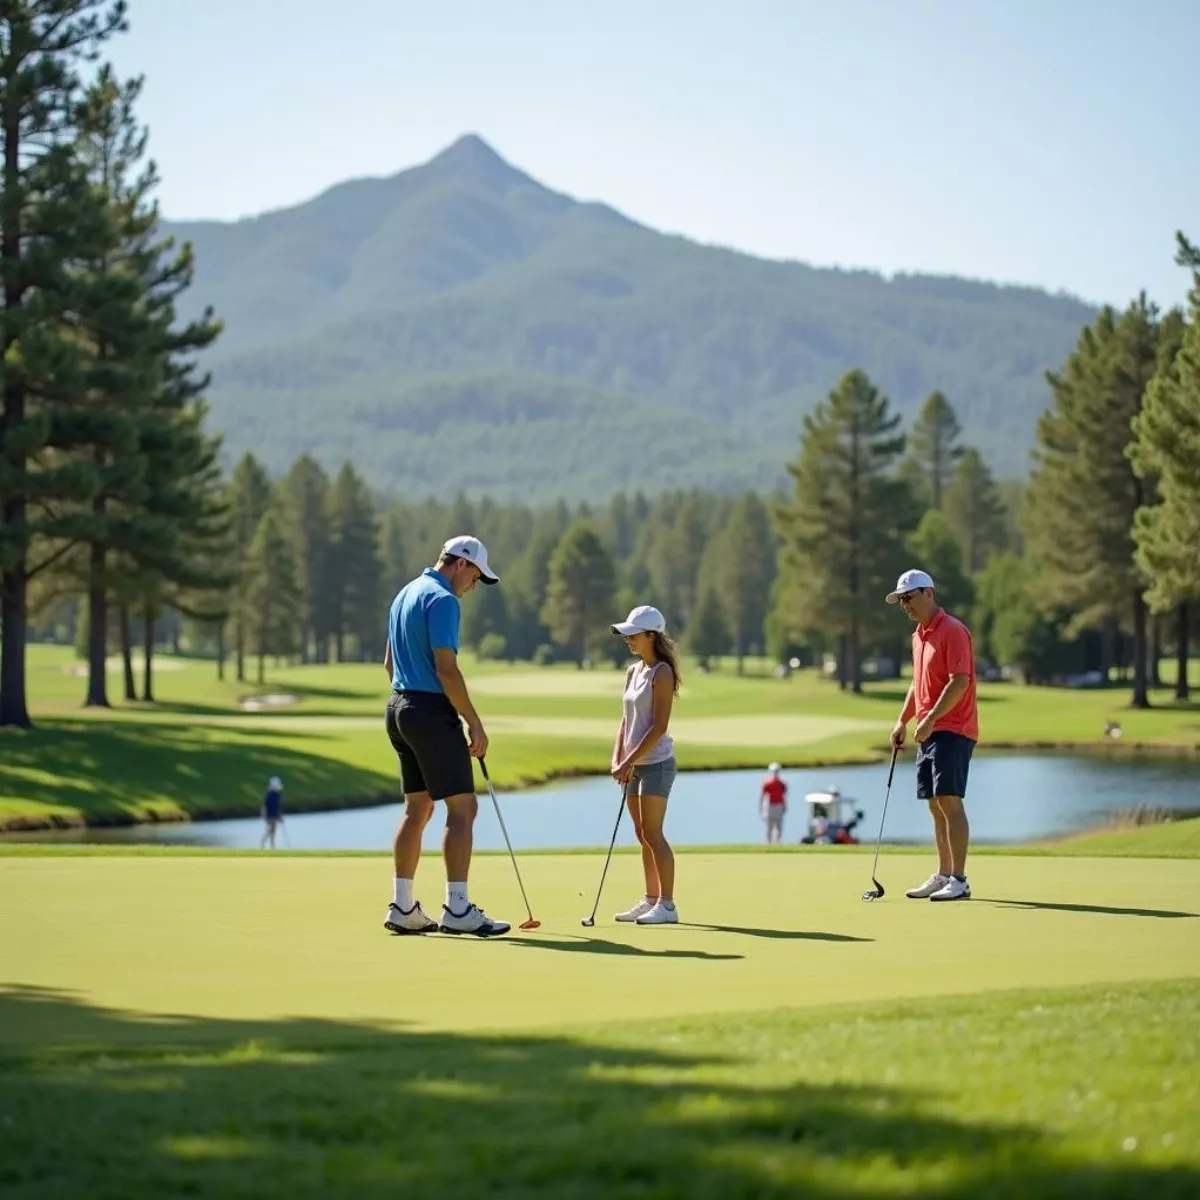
(588, 922)
(874, 893)
(531, 924)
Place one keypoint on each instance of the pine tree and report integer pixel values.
(976, 511)
(249, 497)
(745, 571)
(708, 634)
(579, 597)
(49, 220)
(304, 513)
(1084, 494)
(933, 450)
(934, 547)
(354, 581)
(272, 592)
(844, 528)
(1166, 446)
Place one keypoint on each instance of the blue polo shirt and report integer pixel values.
(424, 617)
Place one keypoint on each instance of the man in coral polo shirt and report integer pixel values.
(942, 698)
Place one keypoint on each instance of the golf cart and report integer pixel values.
(831, 819)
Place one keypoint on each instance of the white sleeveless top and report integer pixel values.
(638, 702)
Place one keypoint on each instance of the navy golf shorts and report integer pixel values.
(943, 763)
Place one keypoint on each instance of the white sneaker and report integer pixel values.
(416, 920)
(640, 909)
(474, 920)
(955, 889)
(934, 883)
(660, 914)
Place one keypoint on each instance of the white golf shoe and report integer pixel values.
(660, 914)
(934, 883)
(640, 909)
(474, 921)
(955, 889)
(416, 920)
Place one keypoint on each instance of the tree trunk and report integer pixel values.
(1182, 638)
(1156, 625)
(175, 627)
(853, 672)
(126, 652)
(13, 617)
(1140, 697)
(97, 685)
(305, 633)
(240, 650)
(148, 622)
(221, 652)
(340, 646)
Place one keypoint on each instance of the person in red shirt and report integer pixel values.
(943, 700)
(773, 803)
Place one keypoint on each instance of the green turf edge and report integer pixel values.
(1171, 839)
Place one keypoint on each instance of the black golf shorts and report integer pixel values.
(427, 734)
(943, 763)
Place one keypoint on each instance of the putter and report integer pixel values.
(286, 838)
(588, 922)
(877, 891)
(531, 923)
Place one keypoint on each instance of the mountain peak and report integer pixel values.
(471, 155)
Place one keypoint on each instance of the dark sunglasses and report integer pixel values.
(909, 595)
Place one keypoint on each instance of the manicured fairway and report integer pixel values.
(241, 1025)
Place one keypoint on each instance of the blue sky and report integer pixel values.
(1050, 143)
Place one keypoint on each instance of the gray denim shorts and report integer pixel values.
(653, 779)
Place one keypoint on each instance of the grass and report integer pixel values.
(195, 752)
(233, 1025)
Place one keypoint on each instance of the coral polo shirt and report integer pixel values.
(939, 650)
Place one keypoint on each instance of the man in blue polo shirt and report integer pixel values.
(424, 718)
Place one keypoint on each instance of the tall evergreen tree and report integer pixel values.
(976, 510)
(272, 592)
(249, 497)
(933, 449)
(1166, 446)
(845, 525)
(708, 634)
(49, 220)
(745, 571)
(579, 597)
(934, 546)
(354, 580)
(1084, 494)
(304, 513)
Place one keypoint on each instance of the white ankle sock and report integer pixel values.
(456, 898)
(666, 903)
(403, 897)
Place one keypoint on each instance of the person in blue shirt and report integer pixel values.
(272, 810)
(424, 720)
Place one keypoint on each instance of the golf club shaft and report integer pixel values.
(504, 830)
(611, 844)
(887, 793)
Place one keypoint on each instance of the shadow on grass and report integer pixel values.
(156, 1106)
(1103, 909)
(805, 935)
(112, 772)
(592, 945)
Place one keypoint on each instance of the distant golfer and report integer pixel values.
(424, 719)
(773, 803)
(643, 759)
(942, 698)
(272, 810)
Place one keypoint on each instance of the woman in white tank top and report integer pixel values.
(643, 759)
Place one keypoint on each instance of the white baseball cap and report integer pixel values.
(275, 783)
(474, 551)
(909, 582)
(642, 619)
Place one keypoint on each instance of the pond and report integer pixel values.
(1013, 798)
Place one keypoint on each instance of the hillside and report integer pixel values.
(460, 318)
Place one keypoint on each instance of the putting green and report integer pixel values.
(300, 937)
